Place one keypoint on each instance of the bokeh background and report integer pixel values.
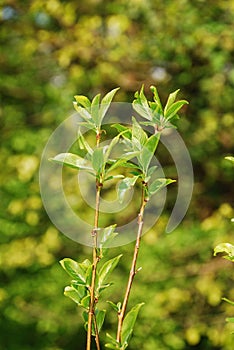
(54, 49)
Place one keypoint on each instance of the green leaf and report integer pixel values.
(174, 108)
(125, 131)
(83, 144)
(106, 270)
(83, 101)
(74, 294)
(158, 184)
(100, 316)
(225, 248)
(98, 159)
(107, 235)
(113, 343)
(128, 324)
(125, 185)
(95, 110)
(157, 99)
(148, 151)
(75, 270)
(116, 307)
(88, 275)
(83, 114)
(230, 158)
(72, 160)
(170, 100)
(139, 137)
(85, 302)
(105, 104)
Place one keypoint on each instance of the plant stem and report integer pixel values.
(133, 270)
(96, 258)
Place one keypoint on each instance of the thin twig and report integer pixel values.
(133, 270)
(96, 258)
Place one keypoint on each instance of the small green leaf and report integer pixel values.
(113, 343)
(105, 104)
(225, 248)
(113, 305)
(75, 270)
(83, 144)
(100, 316)
(125, 131)
(83, 114)
(88, 275)
(128, 324)
(98, 159)
(157, 99)
(95, 110)
(73, 294)
(148, 151)
(125, 185)
(170, 100)
(139, 137)
(174, 108)
(85, 302)
(72, 160)
(158, 184)
(83, 101)
(106, 270)
(107, 235)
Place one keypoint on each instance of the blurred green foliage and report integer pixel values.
(54, 49)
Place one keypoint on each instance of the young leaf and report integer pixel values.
(125, 185)
(128, 324)
(113, 305)
(95, 110)
(72, 160)
(157, 99)
(98, 159)
(174, 108)
(84, 114)
(113, 343)
(139, 137)
(125, 131)
(72, 293)
(107, 235)
(85, 302)
(106, 270)
(158, 184)
(148, 151)
(100, 316)
(83, 101)
(105, 104)
(170, 100)
(83, 144)
(75, 270)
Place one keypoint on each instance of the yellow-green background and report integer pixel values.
(52, 50)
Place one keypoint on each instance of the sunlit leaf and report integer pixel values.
(125, 185)
(128, 324)
(73, 161)
(100, 316)
(106, 270)
(95, 110)
(170, 100)
(174, 108)
(75, 270)
(159, 184)
(98, 159)
(105, 104)
(230, 158)
(83, 101)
